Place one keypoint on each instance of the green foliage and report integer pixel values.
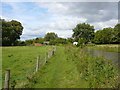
(107, 48)
(50, 36)
(58, 41)
(81, 41)
(39, 40)
(84, 31)
(53, 42)
(108, 35)
(20, 43)
(117, 34)
(95, 72)
(70, 40)
(104, 36)
(61, 41)
(29, 42)
(11, 31)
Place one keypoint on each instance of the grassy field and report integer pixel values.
(21, 61)
(71, 68)
(108, 47)
(68, 68)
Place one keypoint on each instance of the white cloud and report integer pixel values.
(101, 25)
(61, 18)
(62, 23)
(59, 0)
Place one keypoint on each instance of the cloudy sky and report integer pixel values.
(38, 18)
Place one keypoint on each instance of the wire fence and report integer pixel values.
(39, 64)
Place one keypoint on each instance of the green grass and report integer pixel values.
(97, 72)
(68, 68)
(71, 68)
(57, 73)
(107, 48)
(21, 61)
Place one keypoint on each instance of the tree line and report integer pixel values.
(83, 33)
(51, 37)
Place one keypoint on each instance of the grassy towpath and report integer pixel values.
(58, 73)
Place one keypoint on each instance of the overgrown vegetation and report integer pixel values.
(96, 72)
(107, 48)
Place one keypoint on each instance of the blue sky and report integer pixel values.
(38, 18)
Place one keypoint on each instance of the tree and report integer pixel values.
(117, 33)
(84, 31)
(39, 40)
(61, 41)
(11, 31)
(29, 42)
(58, 41)
(104, 36)
(53, 42)
(50, 36)
(81, 41)
(20, 43)
(70, 40)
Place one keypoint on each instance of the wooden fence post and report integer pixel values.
(46, 55)
(54, 48)
(37, 64)
(7, 79)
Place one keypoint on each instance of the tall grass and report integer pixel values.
(108, 48)
(96, 72)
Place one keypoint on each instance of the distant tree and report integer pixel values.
(29, 42)
(70, 40)
(11, 31)
(39, 40)
(104, 36)
(58, 41)
(81, 41)
(84, 31)
(117, 33)
(61, 41)
(53, 42)
(20, 43)
(50, 36)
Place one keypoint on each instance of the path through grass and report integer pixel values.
(58, 73)
(70, 68)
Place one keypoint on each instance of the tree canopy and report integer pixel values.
(104, 36)
(108, 35)
(11, 31)
(117, 33)
(83, 31)
(50, 36)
